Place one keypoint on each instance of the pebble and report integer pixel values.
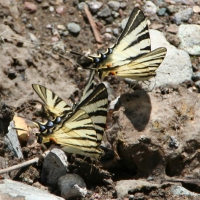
(173, 28)
(108, 30)
(95, 6)
(73, 28)
(31, 7)
(173, 8)
(45, 5)
(106, 12)
(150, 8)
(107, 36)
(65, 33)
(123, 5)
(115, 14)
(51, 9)
(173, 39)
(116, 31)
(182, 16)
(72, 186)
(114, 5)
(156, 26)
(161, 11)
(30, 26)
(54, 166)
(190, 38)
(81, 6)
(61, 27)
(60, 9)
(109, 20)
(196, 76)
(124, 22)
(196, 9)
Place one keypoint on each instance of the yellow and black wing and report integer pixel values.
(82, 131)
(131, 55)
(53, 103)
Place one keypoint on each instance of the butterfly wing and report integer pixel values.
(131, 49)
(53, 103)
(77, 134)
(95, 105)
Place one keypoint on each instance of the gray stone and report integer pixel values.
(123, 5)
(124, 22)
(162, 11)
(95, 6)
(114, 5)
(106, 12)
(73, 28)
(15, 190)
(150, 8)
(116, 31)
(175, 68)
(81, 6)
(11, 140)
(196, 76)
(183, 16)
(173, 8)
(181, 191)
(115, 14)
(190, 38)
(72, 186)
(54, 166)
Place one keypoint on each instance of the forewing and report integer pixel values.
(53, 103)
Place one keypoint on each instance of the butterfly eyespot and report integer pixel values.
(113, 73)
(109, 64)
(49, 124)
(53, 140)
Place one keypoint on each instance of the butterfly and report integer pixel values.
(131, 55)
(78, 129)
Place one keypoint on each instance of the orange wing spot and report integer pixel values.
(53, 140)
(109, 64)
(113, 73)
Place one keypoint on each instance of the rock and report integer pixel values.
(150, 8)
(139, 132)
(114, 5)
(14, 190)
(186, 2)
(73, 28)
(60, 10)
(54, 166)
(182, 16)
(173, 8)
(95, 6)
(190, 38)
(134, 189)
(116, 31)
(11, 140)
(81, 6)
(196, 76)
(123, 5)
(173, 39)
(124, 22)
(31, 7)
(156, 26)
(106, 12)
(107, 36)
(72, 186)
(175, 68)
(196, 9)
(173, 28)
(51, 9)
(115, 14)
(181, 191)
(161, 11)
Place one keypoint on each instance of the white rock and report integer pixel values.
(189, 35)
(54, 166)
(150, 8)
(175, 68)
(71, 186)
(15, 190)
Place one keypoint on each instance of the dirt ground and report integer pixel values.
(29, 54)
